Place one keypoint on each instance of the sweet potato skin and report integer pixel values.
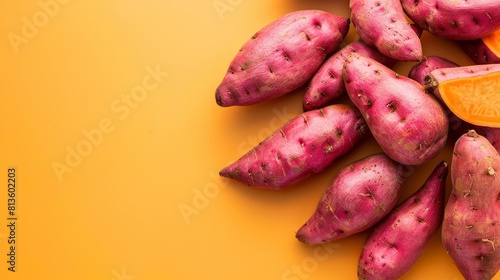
(470, 231)
(455, 19)
(304, 145)
(384, 26)
(327, 84)
(395, 244)
(409, 124)
(427, 65)
(479, 52)
(358, 196)
(281, 57)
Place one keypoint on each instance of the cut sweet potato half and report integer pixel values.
(492, 41)
(474, 99)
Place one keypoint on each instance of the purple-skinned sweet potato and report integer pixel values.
(432, 80)
(424, 67)
(394, 244)
(457, 127)
(327, 84)
(359, 196)
(467, 91)
(383, 25)
(455, 19)
(304, 145)
(471, 228)
(281, 57)
(482, 50)
(408, 124)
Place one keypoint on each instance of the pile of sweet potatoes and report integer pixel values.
(403, 112)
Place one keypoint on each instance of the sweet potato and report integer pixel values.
(457, 127)
(409, 124)
(471, 228)
(383, 24)
(428, 64)
(281, 57)
(395, 244)
(485, 50)
(469, 92)
(359, 196)
(455, 19)
(304, 145)
(441, 75)
(327, 84)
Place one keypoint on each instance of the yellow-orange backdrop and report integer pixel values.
(108, 117)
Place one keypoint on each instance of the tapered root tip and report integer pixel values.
(301, 235)
(218, 98)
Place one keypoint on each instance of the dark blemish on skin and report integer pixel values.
(271, 70)
(305, 119)
(308, 38)
(369, 104)
(285, 55)
(328, 148)
(348, 214)
(391, 106)
(282, 133)
(302, 143)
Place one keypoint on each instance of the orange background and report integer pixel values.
(108, 113)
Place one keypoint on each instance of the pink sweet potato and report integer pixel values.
(395, 244)
(327, 84)
(432, 80)
(409, 124)
(359, 196)
(428, 64)
(471, 228)
(383, 24)
(304, 145)
(457, 127)
(455, 19)
(281, 57)
(479, 52)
